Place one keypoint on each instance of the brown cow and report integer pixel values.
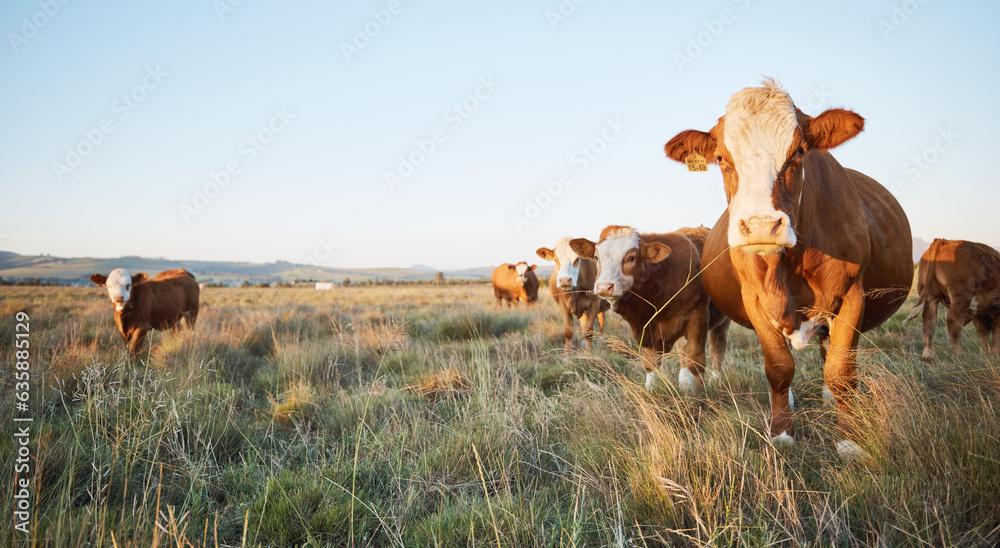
(966, 277)
(804, 241)
(141, 304)
(651, 280)
(572, 286)
(515, 283)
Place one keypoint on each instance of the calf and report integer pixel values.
(571, 286)
(141, 304)
(966, 277)
(515, 283)
(652, 281)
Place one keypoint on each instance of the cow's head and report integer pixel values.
(522, 269)
(622, 260)
(759, 145)
(119, 285)
(567, 263)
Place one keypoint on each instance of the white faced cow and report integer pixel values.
(803, 242)
(572, 286)
(141, 304)
(651, 280)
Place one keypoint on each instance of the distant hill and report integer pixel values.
(15, 267)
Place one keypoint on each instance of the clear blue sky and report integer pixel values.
(203, 87)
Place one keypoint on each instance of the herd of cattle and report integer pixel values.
(806, 247)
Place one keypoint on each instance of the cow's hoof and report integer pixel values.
(783, 439)
(849, 450)
(685, 381)
(828, 396)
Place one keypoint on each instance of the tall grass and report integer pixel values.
(427, 417)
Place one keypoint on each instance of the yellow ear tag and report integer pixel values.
(696, 162)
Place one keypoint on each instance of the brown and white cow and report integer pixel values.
(652, 282)
(142, 304)
(965, 276)
(515, 283)
(804, 241)
(571, 286)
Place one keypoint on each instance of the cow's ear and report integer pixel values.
(98, 279)
(546, 253)
(511, 267)
(692, 140)
(833, 128)
(583, 247)
(654, 252)
(139, 278)
(534, 266)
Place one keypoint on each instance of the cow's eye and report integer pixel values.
(129, 286)
(576, 262)
(631, 258)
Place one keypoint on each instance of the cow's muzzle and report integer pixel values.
(764, 234)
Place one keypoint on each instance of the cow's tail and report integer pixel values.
(917, 310)
(925, 276)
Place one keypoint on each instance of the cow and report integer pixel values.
(515, 283)
(652, 282)
(142, 304)
(803, 242)
(965, 276)
(571, 286)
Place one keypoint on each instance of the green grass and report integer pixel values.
(425, 416)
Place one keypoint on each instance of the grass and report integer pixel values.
(425, 416)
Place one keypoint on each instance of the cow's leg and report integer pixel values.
(650, 362)
(600, 320)
(691, 375)
(192, 317)
(929, 318)
(717, 337)
(840, 369)
(983, 329)
(587, 326)
(958, 316)
(995, 342)
(779, 368)
(568, 329)
(135, 341)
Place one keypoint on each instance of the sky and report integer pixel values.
(456, 133)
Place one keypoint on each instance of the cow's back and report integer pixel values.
(167, 298)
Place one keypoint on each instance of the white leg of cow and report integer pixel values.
(714, 377)
(828, 396)
(686, 381)
(650, 362)
(849, 450)
(783, 439)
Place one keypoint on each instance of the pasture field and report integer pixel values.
(425, 416)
